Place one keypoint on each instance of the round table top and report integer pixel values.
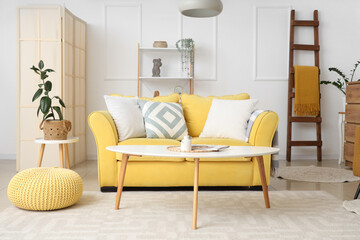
(68, 140)
(162, 151)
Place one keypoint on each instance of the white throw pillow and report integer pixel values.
(228, 118)
(127, 116)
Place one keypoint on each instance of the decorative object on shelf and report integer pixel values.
(186, 48)
(340, 83)
(200, 8)
(156, 68)
(178, 90)
(53, 129)
(173, 73)
(160, 44)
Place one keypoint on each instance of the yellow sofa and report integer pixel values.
(166, 172)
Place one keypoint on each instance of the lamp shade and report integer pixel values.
(200, 8)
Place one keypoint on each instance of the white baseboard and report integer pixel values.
(7, 156)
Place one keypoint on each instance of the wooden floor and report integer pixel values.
(88, 172)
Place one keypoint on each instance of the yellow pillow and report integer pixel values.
(196, 109)
(169, 98)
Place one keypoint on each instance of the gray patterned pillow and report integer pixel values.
(163, 120)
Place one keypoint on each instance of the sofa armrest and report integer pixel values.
(262, 134)
(263, 129)
(103, 127)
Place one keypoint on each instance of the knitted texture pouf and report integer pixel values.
(45, 188)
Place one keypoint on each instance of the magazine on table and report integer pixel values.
(209, 147)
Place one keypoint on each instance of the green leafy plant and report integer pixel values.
(46, 102)
(186, 47)
(342, 80)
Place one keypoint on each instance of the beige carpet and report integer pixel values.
(316, 174)
(352, 206)
(168, 215)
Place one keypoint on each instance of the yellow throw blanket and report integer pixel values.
(306, 91)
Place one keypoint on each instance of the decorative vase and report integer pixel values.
(55, 129)
(160, 44)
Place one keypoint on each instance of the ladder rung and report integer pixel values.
(305, 119)
(305, 47)
(292, 71)
(305, 23)
(306, 143)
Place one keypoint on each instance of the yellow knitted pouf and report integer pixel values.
(45, 188)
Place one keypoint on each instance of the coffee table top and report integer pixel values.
(162, 151)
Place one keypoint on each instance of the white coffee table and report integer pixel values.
(161, 151)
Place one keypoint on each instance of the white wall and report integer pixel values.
(225, 57)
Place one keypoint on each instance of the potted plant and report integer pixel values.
(186, 47)
(341, 82)
(55, 128)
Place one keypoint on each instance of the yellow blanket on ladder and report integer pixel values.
(306, 91)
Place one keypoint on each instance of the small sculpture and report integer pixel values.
(156, 68)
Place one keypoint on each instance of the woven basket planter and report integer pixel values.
(55, 129)
(43, 189)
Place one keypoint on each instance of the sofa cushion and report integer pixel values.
(221, 141)
(149, 141)
(169, 98)
(164, 120)
(196, 109)
(127, 116)
(228, 119)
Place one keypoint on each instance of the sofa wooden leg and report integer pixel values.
(357, 192)
(124, 161)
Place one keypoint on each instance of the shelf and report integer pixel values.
(158, 49)
(165, 78)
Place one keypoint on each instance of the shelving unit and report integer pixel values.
(147, 49)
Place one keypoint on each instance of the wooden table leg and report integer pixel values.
(67, 155)
(260, 162)
(196, 186)
(125, 158)
(61, 151)
(41, 154)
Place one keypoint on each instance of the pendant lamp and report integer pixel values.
(200, 8)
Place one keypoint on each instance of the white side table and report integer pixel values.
(62, 144)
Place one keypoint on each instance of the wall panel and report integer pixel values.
(271, 46)
(122, 33)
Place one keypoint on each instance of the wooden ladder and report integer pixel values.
(292, 119)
